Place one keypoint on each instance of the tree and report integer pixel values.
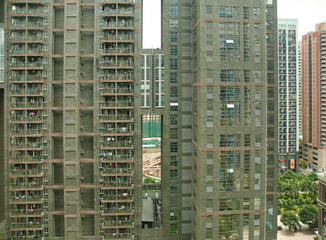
(149, 180)
(310, 185)
(309, 215)
(290, 220)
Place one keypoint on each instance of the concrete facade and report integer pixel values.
(78, 85)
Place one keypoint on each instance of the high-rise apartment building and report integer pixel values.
(2, 122)
(78, 84)
(300, 86)
(2, 125)
(314, 97)
(288, 96)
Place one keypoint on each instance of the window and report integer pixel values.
(174, 133)
(173, 77)
(229, 226)
(229, 75)
(229, 171)
(229, 42)
(174, 50)
(173, 11)
(174, 161)
(174, 91)
(247, 140)
(228, 12)
(159, 80)
(173, 189)
(209, 104)
(174, 64)
(173, 174)
(229, 106)
(2, 76)
(229, 204)
(145, 80)
(209, 9)
(174, 147)
(173, 228)
(173, 36)
(173, 24)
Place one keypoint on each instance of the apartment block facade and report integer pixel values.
(288, 97)
(77, 87)
(313, 97)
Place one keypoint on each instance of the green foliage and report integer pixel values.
(309, 215)
(296, 191)
(290, 220)
(149, 180)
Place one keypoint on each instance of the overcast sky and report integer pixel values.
(152, 24)
(308, 12)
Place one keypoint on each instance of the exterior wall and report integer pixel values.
(288, 92)
(217, 177)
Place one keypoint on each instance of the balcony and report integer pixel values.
(118, 223)
(18, 10)
(17, 50)
(35, 37)
(34, 64)
(120, 1)
(36, 50)
(118, 64)
(113, 77)
(119, 117)
(108, 11)
(117, 184)
(35, 24)
(119, 24)
(120, 37)
(115, 171)
(118, 210)
(122, 158)
(115, 91)
(119, 233)
(117, 104)
(35, 11)
(18, 24)
(120, 51)
(18, 37)
(18, 78)
(17, 131)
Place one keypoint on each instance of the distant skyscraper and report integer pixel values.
(300, 85)
(314, 97)
(288, 97)
(79, 88)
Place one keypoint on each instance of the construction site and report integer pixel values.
(151, 161)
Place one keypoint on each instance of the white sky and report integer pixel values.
(152, 24)
(308, 12)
